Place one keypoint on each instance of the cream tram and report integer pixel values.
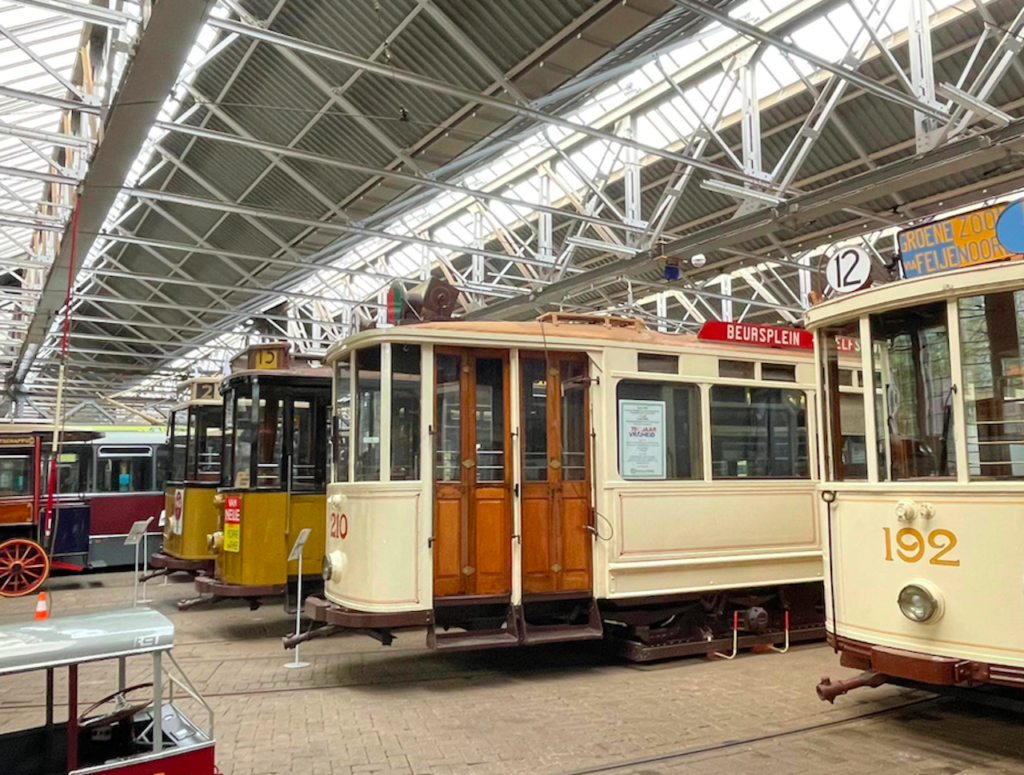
(195, 441)
(273, 475)
(924, 542)
(507, 483)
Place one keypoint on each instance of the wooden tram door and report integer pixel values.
(556, 473)
(472, 473)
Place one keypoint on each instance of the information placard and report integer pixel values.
(641, 439)
(233, 523)
(177, 520)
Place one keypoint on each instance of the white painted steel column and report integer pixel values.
(922, 74)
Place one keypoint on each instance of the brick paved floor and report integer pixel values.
(362, 707)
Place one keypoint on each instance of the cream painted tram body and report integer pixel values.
(924, 545)
(584, 478)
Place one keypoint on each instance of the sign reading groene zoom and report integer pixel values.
(982, 236)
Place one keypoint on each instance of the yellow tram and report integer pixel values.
(190, 514)
(924, 542)
(507, 483)
(273, 475)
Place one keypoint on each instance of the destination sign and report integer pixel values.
(960, 242)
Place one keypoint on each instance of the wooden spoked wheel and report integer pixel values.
(24, 567)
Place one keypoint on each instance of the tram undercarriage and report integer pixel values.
(640, 629)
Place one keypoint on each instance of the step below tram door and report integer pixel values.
(557, 536)
(472, 540)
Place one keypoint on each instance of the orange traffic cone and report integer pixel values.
(42, 607)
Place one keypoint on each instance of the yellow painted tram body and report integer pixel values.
(273, 480)
(195, 437)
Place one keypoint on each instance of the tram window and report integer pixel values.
(74, 469)
(405, 412)
(205, 444)
(341, 422)
(574, 431)
(656, 362)
(179, 436)
(245, 430)
(911, 350)
(15, 475)
(367, 420)
(448, 418)
(735, 369)
(992, 347)
(778, 372)
(124, 473)
(163, 466)
(490, 420)
(306, 469)
(676, 408)
(227, 468)
(535, 419)
(844, 404)
(758, 433)
(271, 441)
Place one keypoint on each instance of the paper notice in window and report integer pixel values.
(642, 439)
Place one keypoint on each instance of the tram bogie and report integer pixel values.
(519, 483)
(923, 541)
(273, 476)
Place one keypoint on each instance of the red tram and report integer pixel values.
(106, 480)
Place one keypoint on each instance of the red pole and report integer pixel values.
(52, 481)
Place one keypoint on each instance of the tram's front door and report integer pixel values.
(472, 474)
(556, 474)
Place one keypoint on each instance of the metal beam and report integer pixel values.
(86, 12)
(149, 76)
(867, 84)
(431, 84)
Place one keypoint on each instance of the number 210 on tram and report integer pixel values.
(507, 483)
(924, 536)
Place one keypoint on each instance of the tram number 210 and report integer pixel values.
(911, 545)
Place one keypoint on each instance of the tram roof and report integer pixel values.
(68, 640)
(986, 278)
(541, 334)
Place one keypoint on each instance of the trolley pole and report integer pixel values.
(296, 554)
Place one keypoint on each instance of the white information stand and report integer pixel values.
(134, 537)
(296, 554)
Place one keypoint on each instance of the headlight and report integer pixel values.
(917, 603)
(327, 572)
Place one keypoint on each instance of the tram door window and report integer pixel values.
(16, 474)
(472, 487)
(271, 441)
(992, 351)
(367, 421)
(556, 467)
(911, 350)
(205, 444)
(405, 412)
(306, 468)
(163, 466)
(179, 439)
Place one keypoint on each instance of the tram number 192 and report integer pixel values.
(911, 545)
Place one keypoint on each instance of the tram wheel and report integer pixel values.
(24, 567)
